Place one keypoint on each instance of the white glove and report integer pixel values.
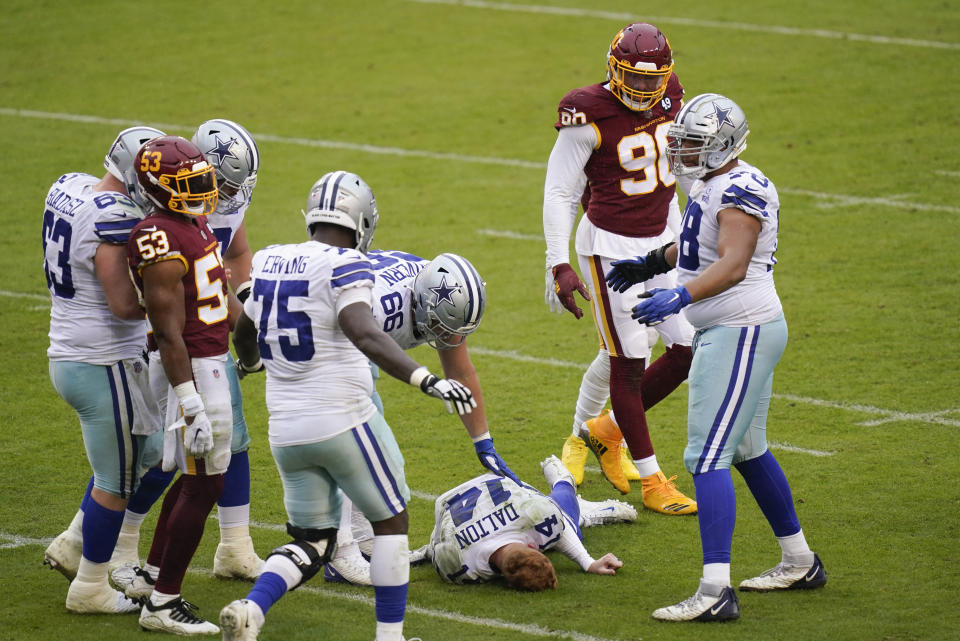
(451, 392)
(550, 295)
(198, 437)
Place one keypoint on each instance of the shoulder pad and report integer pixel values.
(587, 104)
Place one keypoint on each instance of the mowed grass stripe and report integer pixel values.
(824, 199)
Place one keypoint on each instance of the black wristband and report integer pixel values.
(656, 260)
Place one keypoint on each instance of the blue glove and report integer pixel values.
(491, 460)
(630, 271)
(660, 304)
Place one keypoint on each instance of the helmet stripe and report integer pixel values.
(473, 287)
(331, 201)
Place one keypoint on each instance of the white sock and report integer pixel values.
(76, 525)
(345, 531)
(647, 466)
(90, 572)
(594, 391)
(152, 570)
(159, 598)
(717, 573)
(233, 517)
(389, 631)
(389, 563)
(795, 550)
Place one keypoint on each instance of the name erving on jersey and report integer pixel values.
(275, 264)
(495, 521)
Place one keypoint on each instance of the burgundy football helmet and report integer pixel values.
(639, 65)
(175, 176)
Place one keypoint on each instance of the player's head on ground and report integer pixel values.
(175, 177)
(708, 133)
(343, 199)
(449, 298)
(525, 568)
(639, 64)
(235, 158)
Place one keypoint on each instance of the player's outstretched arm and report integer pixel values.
(357, 322)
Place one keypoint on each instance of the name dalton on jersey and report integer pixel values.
(496, 520)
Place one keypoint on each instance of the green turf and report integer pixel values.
(857, 131)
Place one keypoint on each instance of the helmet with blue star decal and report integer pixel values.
(708, 132)
(235, 158)
(448, 300)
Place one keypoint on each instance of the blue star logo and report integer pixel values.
(722, 115)
(223, 149)
(444, 292)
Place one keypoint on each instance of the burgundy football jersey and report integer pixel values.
(163, 236)
(629, 183)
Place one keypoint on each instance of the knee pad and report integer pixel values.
(309, 550)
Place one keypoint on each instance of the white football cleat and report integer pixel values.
(555, 471)
(237, 560)
(98, 598)
(788, 577)
(711, 602)
(63, 554)
(176, 617)
(593, 513)
(348, 566)
(136, 584)
(241, 620)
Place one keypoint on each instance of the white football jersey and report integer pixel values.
(393, 293)
(76, 220)
(754, 300)
(318, 382)
(476, 518)
(224, 226)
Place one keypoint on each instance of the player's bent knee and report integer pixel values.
(309, 550)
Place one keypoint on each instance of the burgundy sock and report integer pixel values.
(197, 497)
(625, 384)
(664, 375)
(160, 534)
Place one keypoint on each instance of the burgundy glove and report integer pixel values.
(566, 281)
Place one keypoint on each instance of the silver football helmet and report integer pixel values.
(448, 300)
(235, 158)
(120, 159)
(342, 198)
(709, 131)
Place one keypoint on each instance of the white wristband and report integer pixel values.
(418, 375)
(249, 369)
(243, 290)
(190, 400)
(477, 439)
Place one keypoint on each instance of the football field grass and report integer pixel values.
(446, 109)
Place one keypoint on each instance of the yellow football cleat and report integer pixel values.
(574, 456)
(630, 471)
(661, 495)
(605, 439)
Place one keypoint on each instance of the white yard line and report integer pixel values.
(9, 541)
(824, 199)
(694, 22)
